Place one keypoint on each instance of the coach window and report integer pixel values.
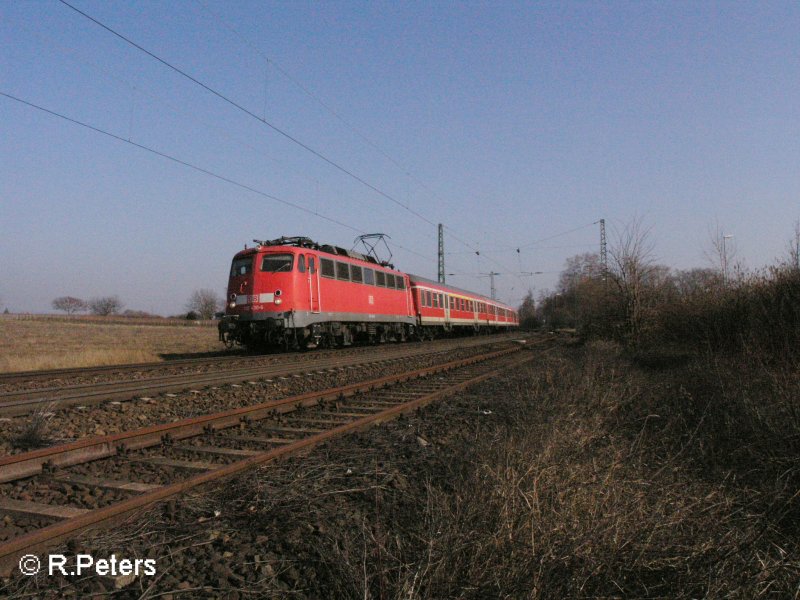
(380, 278)
(429, 298)
(276, 263)
(242, 266)
(311, 268)
(435, 301)
(342, 271)
(441, 300)
(301, 263)
(356, 274)
(326, 268)
(369, 276)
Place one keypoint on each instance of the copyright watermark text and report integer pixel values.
(85, 564)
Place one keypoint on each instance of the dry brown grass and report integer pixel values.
(581, 476)
(43, 343)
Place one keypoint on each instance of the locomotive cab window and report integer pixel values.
(301, 263)
(276, 263)
(342, 271)
(242, 266)
(311, 268)
(326, 268)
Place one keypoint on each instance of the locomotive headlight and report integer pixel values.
(278, 300)
(232, 304)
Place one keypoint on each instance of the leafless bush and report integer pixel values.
(107, 305)
(35, 430)
(204, 303)
(69, 304)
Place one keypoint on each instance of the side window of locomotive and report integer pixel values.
(380, 278)
(242, 266)
(356, 274)
(311, 268)
(401, 283)
(369, 276)
(389, 280)
(276, 263)
(342, 271)
(326, 268)
(301, 263)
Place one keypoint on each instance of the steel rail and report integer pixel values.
(38, 540)
(24, 401)
(14, 376)
(17, 466)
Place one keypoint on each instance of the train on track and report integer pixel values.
(292, 293)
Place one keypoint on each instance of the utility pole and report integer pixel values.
(725, 259)
(441, 253)
(603, 252)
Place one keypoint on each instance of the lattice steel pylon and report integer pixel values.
(603, 251)
(441, 253)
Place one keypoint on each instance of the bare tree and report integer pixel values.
(631, 270)
(696, 281)
(70, 305)
(722, 253)
(527, 312)
(107, 305)
(204, 303)
(578, 268)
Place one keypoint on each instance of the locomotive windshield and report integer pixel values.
(276, 263)
(242, 266)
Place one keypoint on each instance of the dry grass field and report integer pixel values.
(42, 342)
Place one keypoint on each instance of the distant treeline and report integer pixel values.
(136, 318)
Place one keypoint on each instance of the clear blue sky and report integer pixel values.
(512, 122)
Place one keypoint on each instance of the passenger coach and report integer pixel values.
(448, 308)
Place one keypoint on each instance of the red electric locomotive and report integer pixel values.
(295, 293)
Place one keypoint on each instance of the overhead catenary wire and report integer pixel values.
(191, 166)
(251, 114)
(272, 126)
(139, 89)
(335, 113)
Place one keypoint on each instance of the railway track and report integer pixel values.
(129, 471)
(19, 402)
(27, 377)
